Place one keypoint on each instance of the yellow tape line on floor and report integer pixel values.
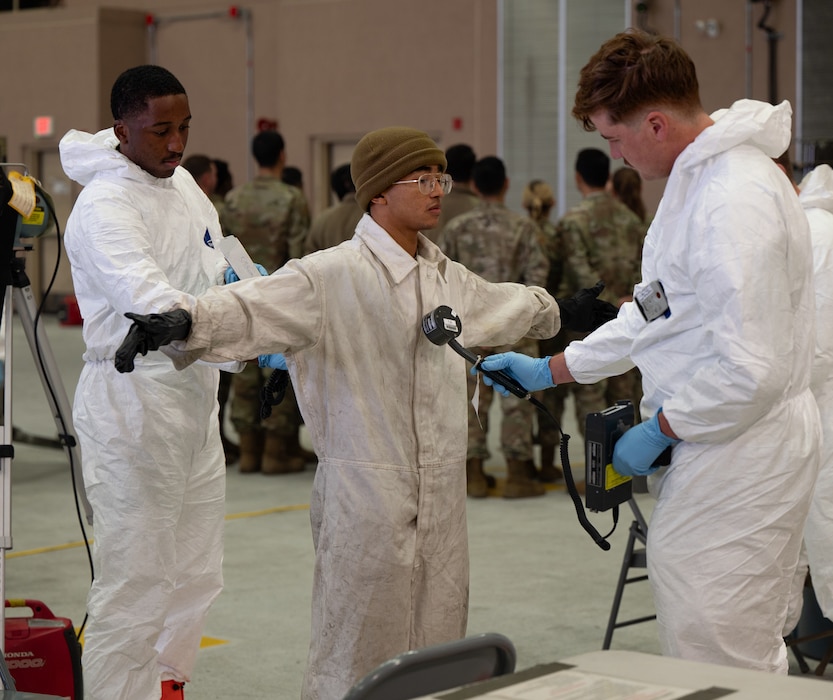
(206, 642)
(231, 516)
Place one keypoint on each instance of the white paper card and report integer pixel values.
(237, 257)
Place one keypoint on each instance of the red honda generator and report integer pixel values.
(42, 652)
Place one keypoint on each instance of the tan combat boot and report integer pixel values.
(518, 483)
(549, 473)
(293, 446)
(476, 484)
(277, 457)
(251, 451)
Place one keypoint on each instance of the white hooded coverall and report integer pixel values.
(153, 462)
(816, 196)
(731, 369)
(387, 414)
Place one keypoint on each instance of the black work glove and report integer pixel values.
(584, 311)
(150, 332)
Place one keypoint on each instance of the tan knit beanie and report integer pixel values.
(384, 156)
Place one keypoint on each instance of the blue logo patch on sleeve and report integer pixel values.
(207, 239)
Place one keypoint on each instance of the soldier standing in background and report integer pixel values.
(603, 241)
(538, 200)
(225, 182)
(500, 246)
(204, 171)
(626, 186)
(462, 198)
(266, 215)
(338, 222)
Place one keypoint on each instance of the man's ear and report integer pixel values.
(657, 122)
(120, 129)
(379, 199)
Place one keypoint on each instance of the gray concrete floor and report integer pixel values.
(536, 576)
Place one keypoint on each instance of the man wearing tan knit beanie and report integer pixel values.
(385, 157)
(384, 406)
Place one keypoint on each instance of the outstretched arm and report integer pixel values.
(534, 374)
(150, 332)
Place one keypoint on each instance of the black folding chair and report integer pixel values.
(635, 558)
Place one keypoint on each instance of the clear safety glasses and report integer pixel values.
(429, 181)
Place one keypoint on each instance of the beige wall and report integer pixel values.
(735, 63)
(56, 63)
(326, 70)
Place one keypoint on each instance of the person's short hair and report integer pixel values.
(225, 181)
(198, 165)
(594, 166)
(632, 71)
(292, 176)
(384, 156)
(461, 160)
(341, 182)
(135, 86)
(267, 147)
(489, 175)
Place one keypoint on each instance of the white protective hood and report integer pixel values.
(817, 189)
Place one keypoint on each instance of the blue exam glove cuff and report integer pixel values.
(543, 375)
(273, 361)
(230, 275)
(638, 449)
(530, 372)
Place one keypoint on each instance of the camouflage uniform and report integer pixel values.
(500, 246)
(460, 200)
(553, 399)
(231, 451)
(333, 225)
(267, 216)
(602, 240)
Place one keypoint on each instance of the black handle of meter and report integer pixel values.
(498, 376)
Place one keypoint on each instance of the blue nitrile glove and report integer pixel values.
(530, 372)
(274, 361)
(638, 448)
(231, 276)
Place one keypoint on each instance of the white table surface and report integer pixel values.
(630, 675)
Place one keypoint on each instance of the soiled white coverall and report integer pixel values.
(387, 413)
(731, 369)
(153, 463)
(817, 199)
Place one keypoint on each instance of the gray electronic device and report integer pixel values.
(652, 302)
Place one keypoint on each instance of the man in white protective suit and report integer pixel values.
(385, 407)
(725, 352)
(140, 237)
(816, 196)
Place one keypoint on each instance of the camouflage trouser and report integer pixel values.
(626, 386)
(553, 399)
(588, 398)
(245, 405)
(516, 423)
